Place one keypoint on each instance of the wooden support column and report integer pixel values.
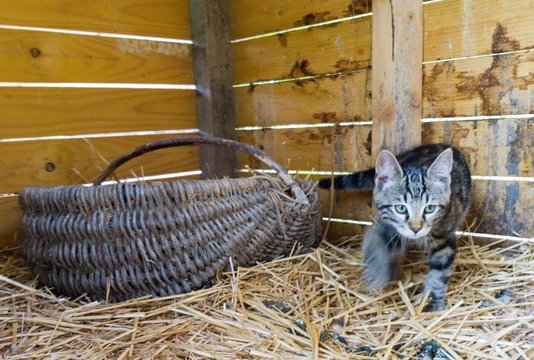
(212, 67)
(397, 54)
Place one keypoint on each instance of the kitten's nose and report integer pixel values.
(416, 228)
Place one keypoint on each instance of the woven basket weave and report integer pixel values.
(127, 240)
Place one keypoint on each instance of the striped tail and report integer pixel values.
(359, 180)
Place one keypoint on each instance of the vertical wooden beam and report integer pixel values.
(397, 54)
(212, 67)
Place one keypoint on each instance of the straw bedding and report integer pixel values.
(307, 306)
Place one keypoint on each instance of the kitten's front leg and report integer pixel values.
(441, 257)
(382, 257)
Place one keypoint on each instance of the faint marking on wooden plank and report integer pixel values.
(451, 29)
(29, 112)
(65, 162)
(162, 18)
(212, 56)
(397, 81)
(250, 17)
(27, 56)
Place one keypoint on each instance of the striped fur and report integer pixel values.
(422, 197)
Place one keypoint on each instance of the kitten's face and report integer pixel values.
(413, 199)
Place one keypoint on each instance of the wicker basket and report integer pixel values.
(127, 240)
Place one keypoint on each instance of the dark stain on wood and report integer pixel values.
(300, 68)
(368, 143)
(357, 7)
(282, 39)
(326, 117)
(508, 217)
(392, 31)
(346, 65)
(439, 95)
(314, 18)
(497, 87)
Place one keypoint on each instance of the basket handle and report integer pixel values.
(199, 140)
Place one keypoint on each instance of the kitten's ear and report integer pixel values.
(440, 169)
(387, 169)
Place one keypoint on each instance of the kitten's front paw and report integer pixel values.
(434, 306)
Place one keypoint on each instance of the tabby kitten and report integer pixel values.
(422, 197)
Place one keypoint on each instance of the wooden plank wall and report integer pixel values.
(65, 135)
(314, 114)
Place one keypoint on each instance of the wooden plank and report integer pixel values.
(212, 58)
(33, 112)
(500, 85)
(28, 56)
(250, 17)
(493, 147)
(337, 48)
(327, 149)
(451, 29)
(397, 81)
(474, 27)
(162, 18)
(10, 215)
(75, 161)
(326, 100)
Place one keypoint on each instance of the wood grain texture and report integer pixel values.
(162, 18)
(250, 17)
(327, 100)
(33, 112)
(397, 75)
(212, 57)
(493, 147)
(337, 48)
(452, 29)
(328, 149)
(76, 161)
(500, 85)
(28, 56)
(10, 214)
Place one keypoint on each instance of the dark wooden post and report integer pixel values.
(212, 67)
(397, 54)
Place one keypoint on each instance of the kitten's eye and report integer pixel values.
(429, 209)
(401, 209)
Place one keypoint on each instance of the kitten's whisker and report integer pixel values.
(392, 238)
